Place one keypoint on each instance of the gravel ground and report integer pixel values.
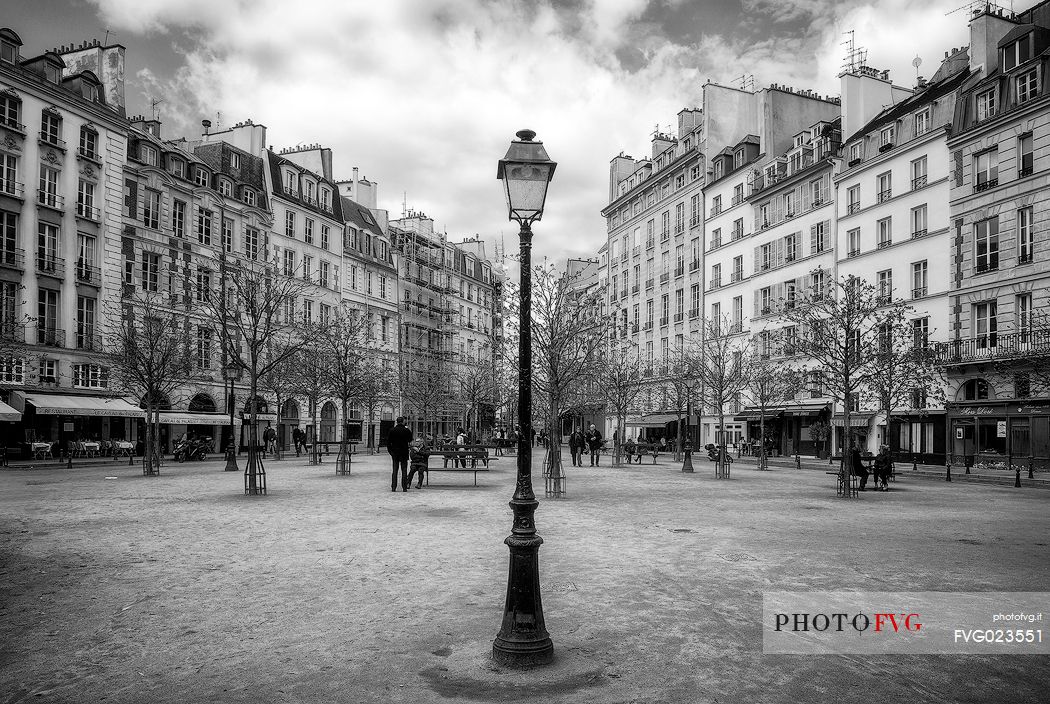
(120, 588)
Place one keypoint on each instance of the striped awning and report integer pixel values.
(856, 420)
(8, 413)
(179, 418)
(58, 405)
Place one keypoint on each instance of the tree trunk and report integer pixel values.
(763, 461)
(553, 470)
(254, 471)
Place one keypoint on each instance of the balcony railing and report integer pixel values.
(663, 321)
(10, 187)
(679, 317)
(919, 234)
(648, 325)
(89, 212)
(852, 208)
(883, 244)
(665, 277)
(736, 276)
(679, 228)
(1026, 171)
(13, 125)
(92, 155)
(665, 235)
(89, 340)
(994, 347)
(737, 233)
(50, 337)
(694, 265)
(50, 265)
(648, 284)
(715, 283)
(13, 258)
(52, 141)
(737, 200)
(623, 294)
(88, 274)
(918, 182)
(853, 253)
(918, 292)
(736, 327)
(985, 185)
(634, 288)
(884, 195)
(51, 200)
(1025, 258)
(694, 312)
(634, 328)
(679, 270)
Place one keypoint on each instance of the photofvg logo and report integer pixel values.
(905, 622)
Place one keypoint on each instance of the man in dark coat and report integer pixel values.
(594, 443)
(575, 447)
(397, 444)
(858, 468)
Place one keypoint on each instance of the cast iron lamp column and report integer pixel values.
(231, 372)
(522, 640)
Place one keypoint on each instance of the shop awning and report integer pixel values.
(178, 418)
(8, 413)
(856, 420)
(654, 420)
(56, 405)
(754, 414)
(805, 409)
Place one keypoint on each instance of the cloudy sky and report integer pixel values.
(423, 96)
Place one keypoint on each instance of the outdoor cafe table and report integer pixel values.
(122, 447)
(40, 449)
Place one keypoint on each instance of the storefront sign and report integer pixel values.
(979, 411)
(1032, 409)
(958, 433)
(1000, 429)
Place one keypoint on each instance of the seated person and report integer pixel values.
(628, 449)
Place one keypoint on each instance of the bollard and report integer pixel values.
(798, 461)
(914, 462)
(231, 460)
(687, 463)
(1030, 463)
(948, 474)
(1017, 477)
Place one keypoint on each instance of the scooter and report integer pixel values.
(196, 449)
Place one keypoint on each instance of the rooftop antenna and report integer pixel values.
(218, 119)
(916, 62)
(855, 55)
(404, 203)
(978, 6)
(747, 81)
(106, 43)
(154, 102)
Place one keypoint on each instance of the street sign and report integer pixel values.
(1000, 429)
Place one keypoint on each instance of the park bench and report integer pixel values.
(473, 454)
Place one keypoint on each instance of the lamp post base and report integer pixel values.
(522, 640)
(687, 463)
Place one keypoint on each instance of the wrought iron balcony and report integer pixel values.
(10, 187)
(918, 292)
(12, 331)
(13, 258)
(88, 274)
(50, 265)
(918, 182)
(985, 185)
(50, 200)
(1026, 171)
(852, 208)
(88, 212)
(52, 140)
(995, 347)
(50, 337)
(89, 340)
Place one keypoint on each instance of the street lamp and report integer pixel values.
(522, 640)
(231, 372)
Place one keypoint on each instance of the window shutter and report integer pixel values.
(813, 239)
(779, 261)
(758, 303)
(758, 260)
(806, 195)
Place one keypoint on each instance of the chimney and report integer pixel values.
(986, 29)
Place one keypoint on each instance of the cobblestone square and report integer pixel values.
(178, 588)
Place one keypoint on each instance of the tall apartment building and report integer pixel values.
(999, 208)
(63, 140)
(447, 301)
(893, 230)
(656, 222)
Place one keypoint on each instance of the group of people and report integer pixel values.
(881, 466)
(591, 440)
(409, 454)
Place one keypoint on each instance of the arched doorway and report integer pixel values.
(328, 417)
(163, 403)
(288, 421)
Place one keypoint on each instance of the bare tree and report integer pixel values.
(313, 380)
(682, 384)
(723, 370)
(838, 325)
(279, 382)
(619, 383)
(566, 330)
(768, 385)
(149, 357)
(256, 314)
(424, 384)
(907, 374)
(345, 340)
(474, 386)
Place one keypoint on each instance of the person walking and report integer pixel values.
(397, 444)
(297, 439)
(575, 451)
(269, 441)
(461, 445)
(594, 443)
(883, 469)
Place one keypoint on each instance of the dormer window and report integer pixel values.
(226, 187)
(8, 51)
(719, 169)
(985, 104)
(800, 139)
(1017, 53)
(886, 136)
(235, 160)
(148, 155)
(52, 73)
(308, 191)
(178, 168)
(738, 158)
(291, 182)
(326, 199)
(1027, 85)
(201, 177)
(922, 122)
(249, 196)
(854, 153)
(89, 91)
